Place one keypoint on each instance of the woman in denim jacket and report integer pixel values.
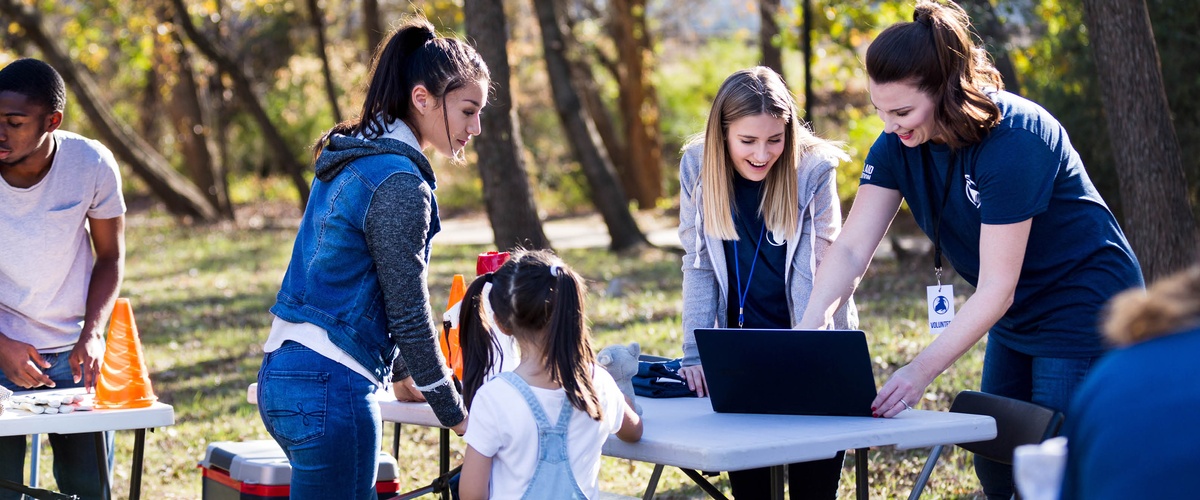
(352, 313)
(758, 209)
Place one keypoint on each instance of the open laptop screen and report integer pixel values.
(791, 372)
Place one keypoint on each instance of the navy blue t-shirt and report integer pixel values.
(1077, 257)
(765, 287)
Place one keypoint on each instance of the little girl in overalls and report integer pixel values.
(536, 432)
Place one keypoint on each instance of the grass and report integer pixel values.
(201, 295)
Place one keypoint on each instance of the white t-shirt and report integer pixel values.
(503, 427)
(46, 253)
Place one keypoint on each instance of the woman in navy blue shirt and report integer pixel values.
(993, 180)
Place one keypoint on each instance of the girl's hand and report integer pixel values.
(406, 391)
(902, 392)
(694, 375)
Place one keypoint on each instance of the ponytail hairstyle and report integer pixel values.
(480, 351)
(412, 55)
(751, 92)
(936, 52)
(536, 298)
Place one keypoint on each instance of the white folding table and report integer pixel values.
(686, 433)
(20, 422)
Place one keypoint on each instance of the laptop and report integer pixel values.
(787, 372)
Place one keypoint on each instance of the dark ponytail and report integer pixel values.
(480, 351)
(936, 52)
(569, 356)
(412, 55)
(536, 297)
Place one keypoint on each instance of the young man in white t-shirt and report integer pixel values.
(62, 257)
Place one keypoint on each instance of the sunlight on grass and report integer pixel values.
(201, 295)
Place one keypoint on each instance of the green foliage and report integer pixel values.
(121, 42)
(687, 86)
(1067, 86)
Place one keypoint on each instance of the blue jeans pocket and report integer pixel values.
(294, 402)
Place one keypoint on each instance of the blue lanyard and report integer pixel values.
(738, 275)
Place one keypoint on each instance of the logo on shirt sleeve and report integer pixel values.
(971, 190)
(868, 169)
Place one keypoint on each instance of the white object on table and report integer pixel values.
(1038, 468)
(20, 423)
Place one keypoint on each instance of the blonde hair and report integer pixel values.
(1168, 306)
(750, 92)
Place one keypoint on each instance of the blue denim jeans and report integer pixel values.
(75, 467)
(1050, 382)
(326, 419)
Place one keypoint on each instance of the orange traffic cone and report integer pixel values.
(124, 380)
(449, 337)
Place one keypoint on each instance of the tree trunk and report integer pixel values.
(192, 131)
(638, 100)
(180, 197)
(584, 81)
(1158, 218)
(150, 109)
(241, 86)
(372, 26)
(511, 207)
(806, 48)
(317, 18)
(606, 193)
(991, 30)
(772, 56)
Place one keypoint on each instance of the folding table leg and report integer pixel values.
(102, 464)
(35, 449)
(860, 473)
(919, 485)
(653, 484)
(135, 478)
(704, 484)
(396, 442)
(778, 472)
(444, 460)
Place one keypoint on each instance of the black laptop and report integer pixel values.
(789, 372)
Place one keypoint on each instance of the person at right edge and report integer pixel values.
(758, 208)
(994, 182)
(1133, 430)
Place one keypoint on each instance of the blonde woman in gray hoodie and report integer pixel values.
(758, 210)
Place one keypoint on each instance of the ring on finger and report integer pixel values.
(905, 403)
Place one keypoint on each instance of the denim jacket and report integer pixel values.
(360, 259)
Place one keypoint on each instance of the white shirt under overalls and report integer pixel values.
(502, 427)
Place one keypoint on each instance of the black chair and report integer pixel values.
(1017, 423)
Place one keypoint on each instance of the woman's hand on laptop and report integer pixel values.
(902, 392)
(694, 375)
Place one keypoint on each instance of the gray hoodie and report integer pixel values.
(705, 278)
